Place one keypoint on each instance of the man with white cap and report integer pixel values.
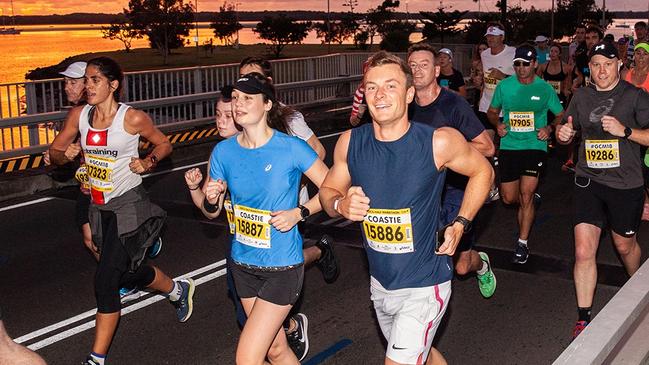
(75, 83)
(542, 51)
(524, 100)
(449, 77)
(612, 117)
(496, 65)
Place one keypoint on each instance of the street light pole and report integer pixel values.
(328, 29)
(552, 23)
(198, 52)
(236, 10)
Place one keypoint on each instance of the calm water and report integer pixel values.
(39, 46)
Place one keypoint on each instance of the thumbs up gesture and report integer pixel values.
(566, 131)
(355, 204)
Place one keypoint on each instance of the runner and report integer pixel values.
(581, 70)
(612, 117)
(12, 353)
(450, 77)
(262, 167)
(542, 51)
(322, 253)
(193, 177)
(577, 41)
(75, 92)
(524, 100)
(641, 35)
(123, 221)
(496, 66)
(557, 73)
(438, 107)
(410, 279)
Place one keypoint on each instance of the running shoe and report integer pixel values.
(494, 195)
(185, 304)
(155, 249)
(580, 326)
(568, 166)
(521, 254)
(327, 263)
(298, 340)
(128, 295)
(486, 281)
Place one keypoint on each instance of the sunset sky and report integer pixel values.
(44, 7)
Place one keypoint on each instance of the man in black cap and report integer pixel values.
(524, 100)
(612, 117)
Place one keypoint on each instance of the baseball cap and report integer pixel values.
(525, 53)
(447, 52)
(540, 38)
(252, 84)
(642, 45)
(605, 49)
(76, 70)
(494, 30)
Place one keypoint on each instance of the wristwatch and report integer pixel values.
(465, 222)
(304, 212)
(627, 132)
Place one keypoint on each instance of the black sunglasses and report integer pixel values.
(522, 63)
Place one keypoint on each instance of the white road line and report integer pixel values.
(92, 312)
(26, 203)
(132, 308)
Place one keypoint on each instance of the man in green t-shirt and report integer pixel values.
(524, 99)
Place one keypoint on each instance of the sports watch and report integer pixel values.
(304, 212)
(627, 132)
(465, 222)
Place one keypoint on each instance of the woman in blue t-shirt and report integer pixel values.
(261, 167)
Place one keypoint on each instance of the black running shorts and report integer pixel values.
(281, 286)
(513, 164)
(598, 204)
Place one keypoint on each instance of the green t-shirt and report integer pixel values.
(525, 111)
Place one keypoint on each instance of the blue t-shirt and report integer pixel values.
(263, 180)
(404, 187)
(449, 110)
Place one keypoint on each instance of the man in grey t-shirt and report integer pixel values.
(612, 117)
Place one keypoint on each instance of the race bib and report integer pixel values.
(490, 82)
(82, 177)
(556, 85)
(100, 172)
(520, 122)
(602, 154)
(389, 230)
(252, 227)
(229, 213)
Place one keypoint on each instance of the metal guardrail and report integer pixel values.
(176, 112)
(619, 332)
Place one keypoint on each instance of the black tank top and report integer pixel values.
(554, 77)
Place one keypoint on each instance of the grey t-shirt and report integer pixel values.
(604, 158)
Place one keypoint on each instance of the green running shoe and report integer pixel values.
(487, 281)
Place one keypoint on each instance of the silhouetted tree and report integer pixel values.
(441, 23)
(226, 23)
(282, 30)
(338, 31)
(164, 22)
(123, 32)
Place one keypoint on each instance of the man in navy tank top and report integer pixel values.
(410, 277)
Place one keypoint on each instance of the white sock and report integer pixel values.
(175, 292)
(522, 242)
(99, 359)
(484, 268)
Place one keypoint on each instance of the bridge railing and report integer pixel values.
(171, 113)
(619, 332)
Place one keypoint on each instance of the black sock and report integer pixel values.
(584, 314)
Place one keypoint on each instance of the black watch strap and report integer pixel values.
(304, 212)
(627, 132)
(463, 221)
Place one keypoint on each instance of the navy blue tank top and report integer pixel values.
(404, 187)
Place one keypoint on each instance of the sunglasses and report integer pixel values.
(522, 63)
